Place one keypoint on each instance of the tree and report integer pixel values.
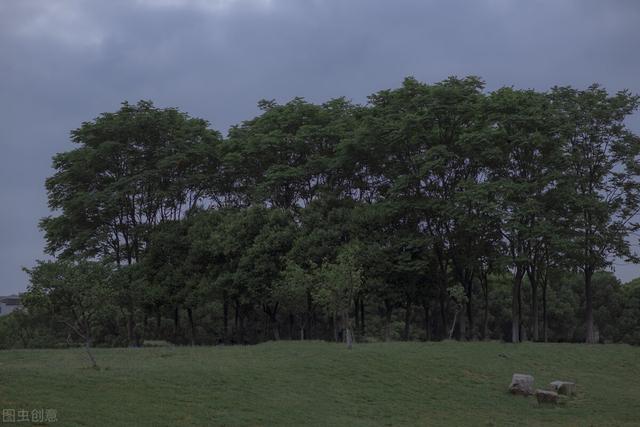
(603, 159)
(74, 294)
(133, 169)
(523, 167)
(471, 207)
(293, 291)
(340, 281)
(459, 298)
(629, 321)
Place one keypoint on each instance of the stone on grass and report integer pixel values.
(546, 396)
(521, 384)
(564, 387)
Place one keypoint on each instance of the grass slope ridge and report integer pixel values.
(317, 383)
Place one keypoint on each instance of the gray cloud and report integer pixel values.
(66, 61)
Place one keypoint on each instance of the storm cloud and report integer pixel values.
(63, 62)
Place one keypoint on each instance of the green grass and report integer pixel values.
(316, 383)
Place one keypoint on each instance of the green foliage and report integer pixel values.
(339, 281)
(436, 210)
(629, 321)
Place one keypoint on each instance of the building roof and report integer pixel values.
(10, 300)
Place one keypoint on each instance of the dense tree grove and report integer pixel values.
(434, 211)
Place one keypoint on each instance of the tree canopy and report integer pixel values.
(433, 211)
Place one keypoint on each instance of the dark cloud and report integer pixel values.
(66, 61)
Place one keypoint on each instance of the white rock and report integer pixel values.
(521, 384)
(564, 387)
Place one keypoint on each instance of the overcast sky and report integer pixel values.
(63, 62)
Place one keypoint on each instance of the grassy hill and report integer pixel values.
(316, 383)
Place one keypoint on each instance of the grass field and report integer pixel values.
(316, 383)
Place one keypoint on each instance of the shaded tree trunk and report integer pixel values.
(362, 324)
(427, 319)
(310, 316)
(469, 330)
(236, 323)
(87, 347)
(454, 323)
(291, 325)
(588, 293)
(443, 317)
(516, 304)
(357, 306)
(192, 327)
(533, 280)
(462, 324)
(348, 331)
(225, 315)
(158, 322)
(388, 307)
(408, 315)
(349, 338)
(485, 316)
(145, 322)
(545, 326)
(272, 317)
(176, 323)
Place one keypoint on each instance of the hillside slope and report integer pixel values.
(316, 383)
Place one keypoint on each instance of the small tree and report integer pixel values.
(293, 290)
(340, 281)
(460, 299)
(74, 293)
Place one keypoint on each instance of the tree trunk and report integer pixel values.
(225, 311)
(515, 304)
(522, 337)
(362, 325)
(348, 331)
(462, 325)
(469, 330)
(534, 310)
(427, 319)
(544, 312)
(192, 327)
(588, 274)
(453, 325)
(310, 315)
(236, 322)
(291, 325)
(533, 280)
(407, 321)
(145, 322)
(443, 316)
(87, 347)
(357, 306)
(158, 322)
(133, 340)
(387, 324)
(485, 317)
(176, 324)
(272, 314)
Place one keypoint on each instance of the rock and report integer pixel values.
(564, 387)
(546, 396)
(521, 384)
